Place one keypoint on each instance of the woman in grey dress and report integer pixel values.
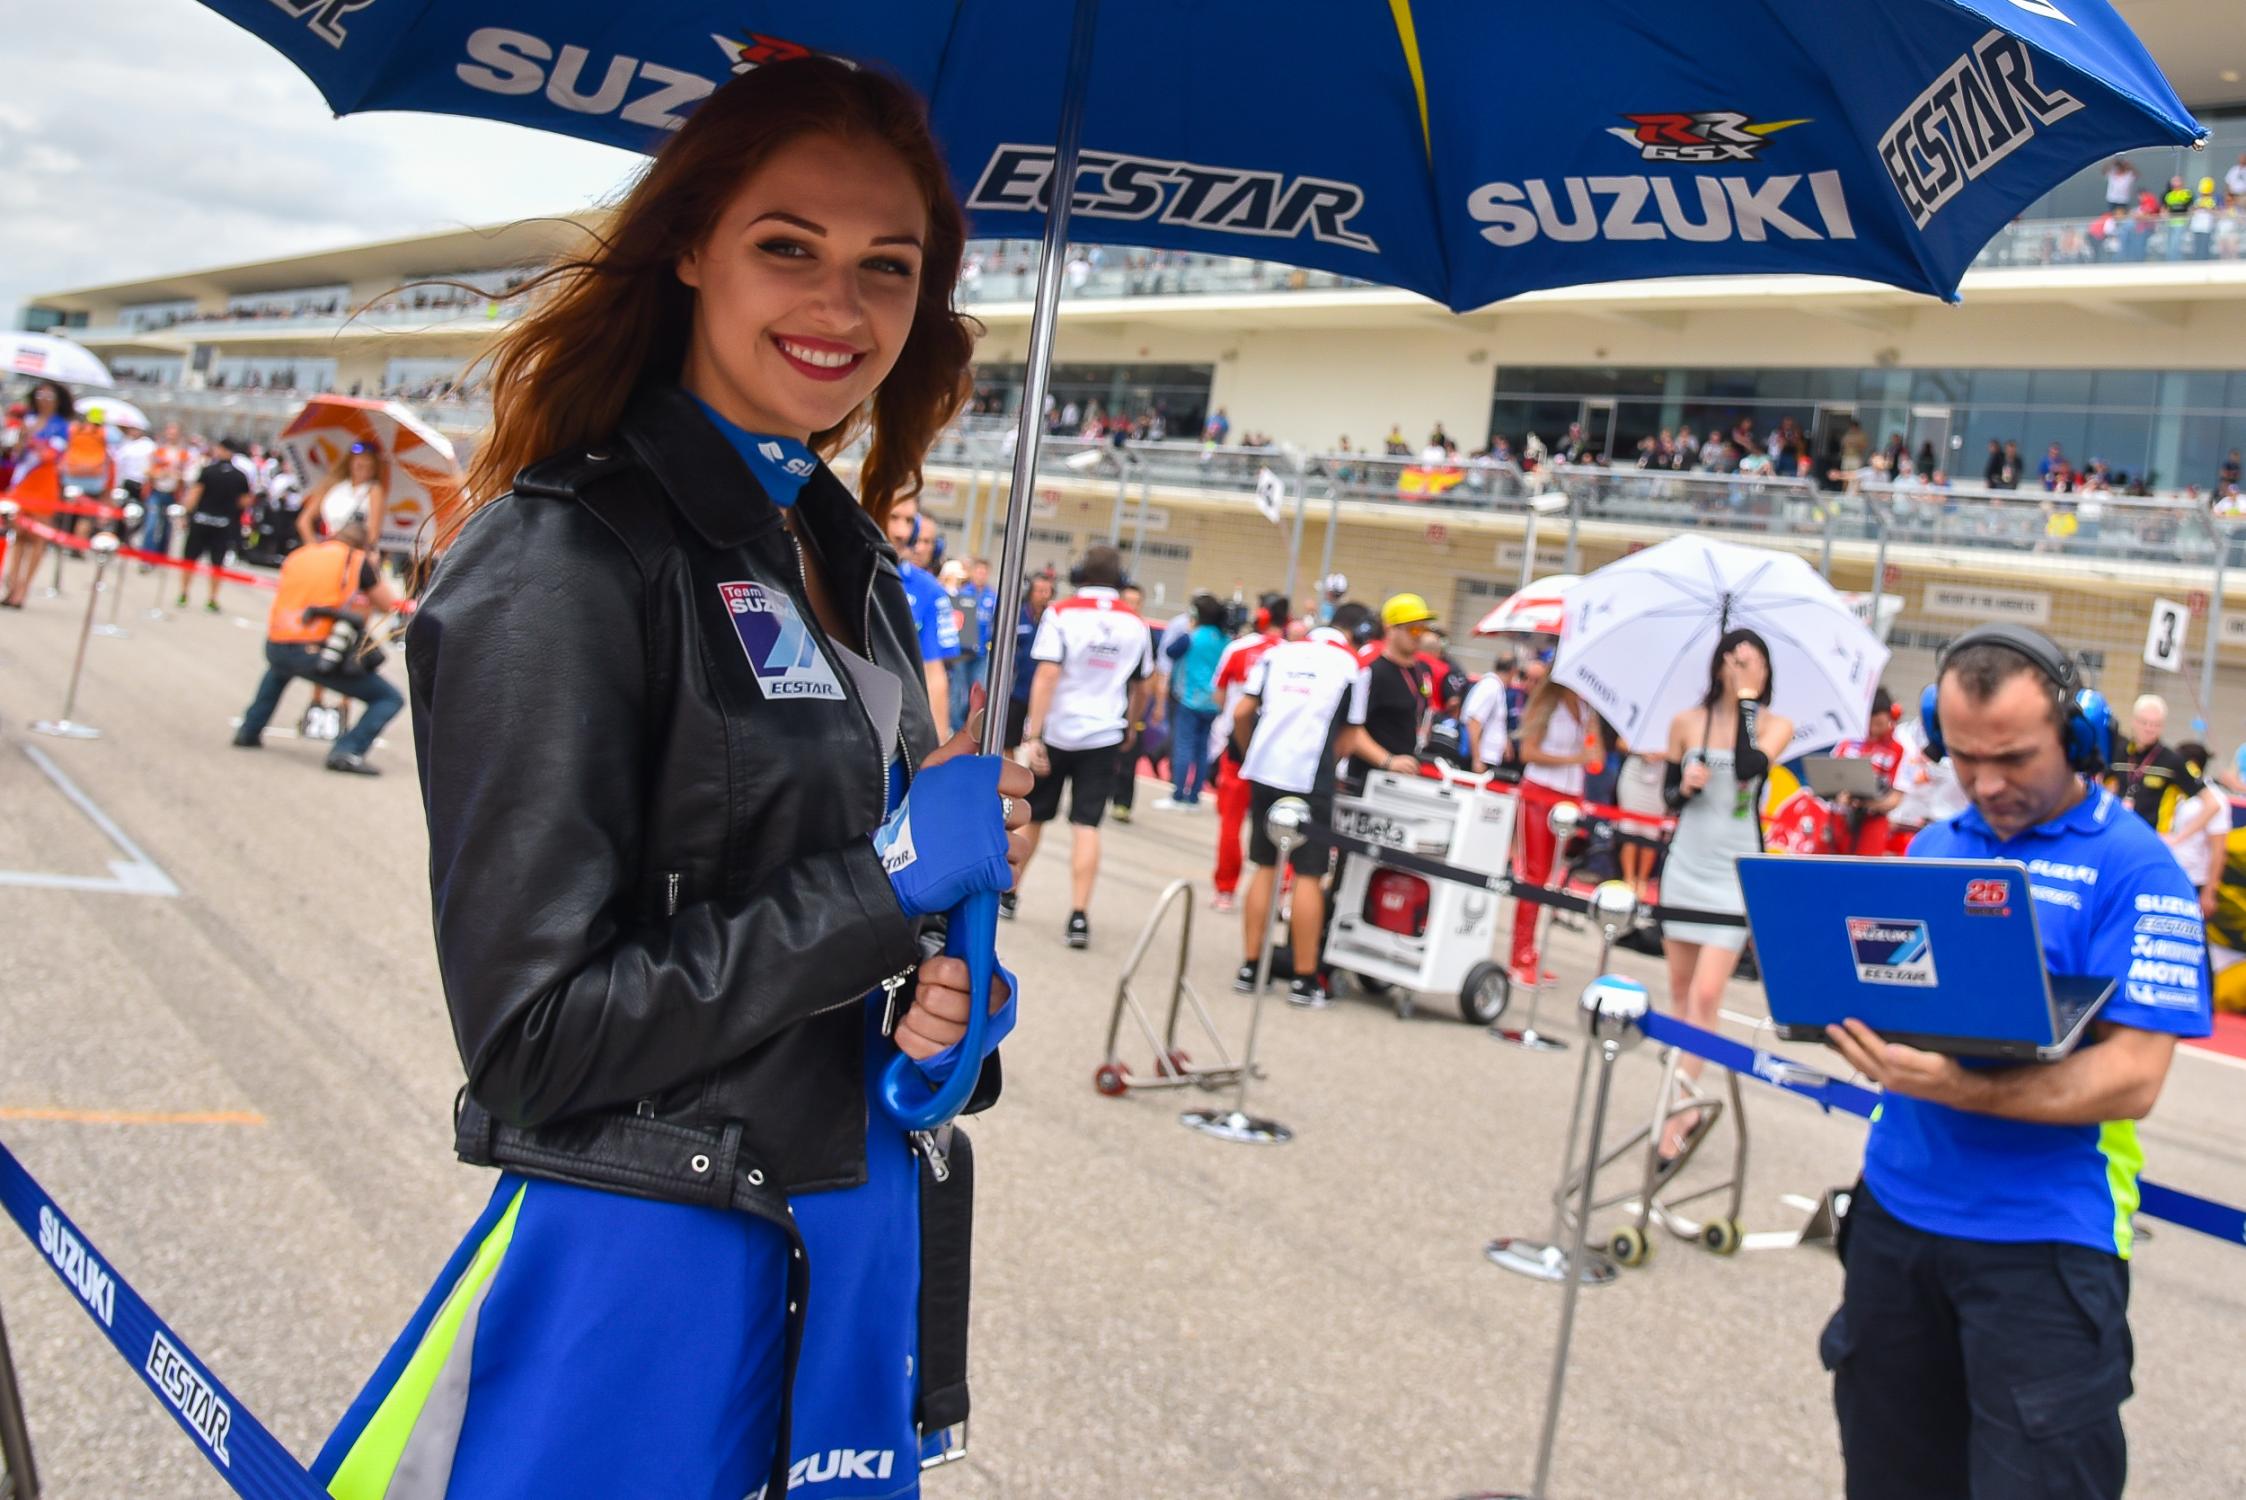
(1718, 755)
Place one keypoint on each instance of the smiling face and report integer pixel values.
(362, 468)
(807, 286)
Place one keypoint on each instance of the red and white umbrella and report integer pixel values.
(421, 477)
(1539, 609)
(53, 358)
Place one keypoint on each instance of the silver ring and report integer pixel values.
(1005, 809)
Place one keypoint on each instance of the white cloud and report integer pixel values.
(153, 136)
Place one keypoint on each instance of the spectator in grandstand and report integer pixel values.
(2155, 780)
(1217, 429)
(2121, 184)
(1301, 700)
(45, 436)
(1558, 740)
(329, 580)
(1719, 753)
(2234, 182)
(1394, 445)
(1095, 668)
(217, 502)
(1982, 1346)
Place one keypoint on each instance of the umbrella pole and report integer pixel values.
(1037, 370)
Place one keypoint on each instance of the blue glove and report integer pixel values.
(938, 1068)
(947, 840)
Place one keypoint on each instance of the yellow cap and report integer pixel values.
(1405, 609)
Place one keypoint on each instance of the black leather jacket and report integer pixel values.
(657, 906)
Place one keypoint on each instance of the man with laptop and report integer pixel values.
(1982, 1346)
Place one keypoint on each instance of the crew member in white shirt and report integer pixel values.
(1303, 709)
(1095, 667)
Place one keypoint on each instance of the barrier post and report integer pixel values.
(19, 1476)
(115, 587)
(1612, 1008)
(104, 547)
(1285, 823)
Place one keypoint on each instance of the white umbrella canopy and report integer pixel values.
(113, 411)
(53, 358)
(1642, 631)
(1539, 609)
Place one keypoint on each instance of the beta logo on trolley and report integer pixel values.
(783, 654)
(1892, 950)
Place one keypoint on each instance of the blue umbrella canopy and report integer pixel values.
(1468, 150)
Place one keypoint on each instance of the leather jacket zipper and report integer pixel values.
(895, 982)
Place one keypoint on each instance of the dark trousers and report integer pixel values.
(284, 663)
(1964, 1370)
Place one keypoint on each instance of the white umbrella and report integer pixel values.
(1539, 609)
(43, 354)
(113, 411)
(1641, 632)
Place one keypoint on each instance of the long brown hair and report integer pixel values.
(616, 319)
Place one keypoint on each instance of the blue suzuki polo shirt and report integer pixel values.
(2109, 900)
(931, 612)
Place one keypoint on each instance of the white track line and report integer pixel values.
(135, 875)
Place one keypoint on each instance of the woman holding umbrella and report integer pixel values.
(1719, 753)
(688, 824)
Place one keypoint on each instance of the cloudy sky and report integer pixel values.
(139, 137)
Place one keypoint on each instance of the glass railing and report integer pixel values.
(2213, 236)
(2103, 528)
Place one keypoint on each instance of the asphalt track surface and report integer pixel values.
(242, 1093)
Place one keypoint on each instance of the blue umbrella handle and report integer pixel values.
(905, 1095)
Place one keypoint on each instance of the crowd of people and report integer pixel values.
(200, 501)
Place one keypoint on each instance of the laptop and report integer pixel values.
(1940, 954)
(1831, 776)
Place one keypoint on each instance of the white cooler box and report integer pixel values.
(1399, 928)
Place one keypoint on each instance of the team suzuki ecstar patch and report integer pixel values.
(782, 652)
(1892, 950)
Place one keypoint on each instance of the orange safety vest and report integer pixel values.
(310, 579)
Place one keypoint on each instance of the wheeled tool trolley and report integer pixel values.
(1404, 932)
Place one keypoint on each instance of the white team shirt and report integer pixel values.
(134, 458)
(1298, 686)
(1102, 649)
(1485, 706)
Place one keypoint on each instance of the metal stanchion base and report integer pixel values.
(1234, 1125)
(113, 632)
(1547, 1262)
(1528, 1039)
(64, 729)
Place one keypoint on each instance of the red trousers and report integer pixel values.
(1232, 818)
(1534, 866)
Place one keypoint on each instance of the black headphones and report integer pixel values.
(2088, 732)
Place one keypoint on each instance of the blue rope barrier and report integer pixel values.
(2219, 1220)
(251, 1460)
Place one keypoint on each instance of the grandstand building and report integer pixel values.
(2115, 339)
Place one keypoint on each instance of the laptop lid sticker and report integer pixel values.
(1892, 950)
(1988, 898)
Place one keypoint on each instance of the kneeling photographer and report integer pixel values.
(316, 631)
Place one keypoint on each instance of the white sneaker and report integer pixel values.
(1167, 804)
